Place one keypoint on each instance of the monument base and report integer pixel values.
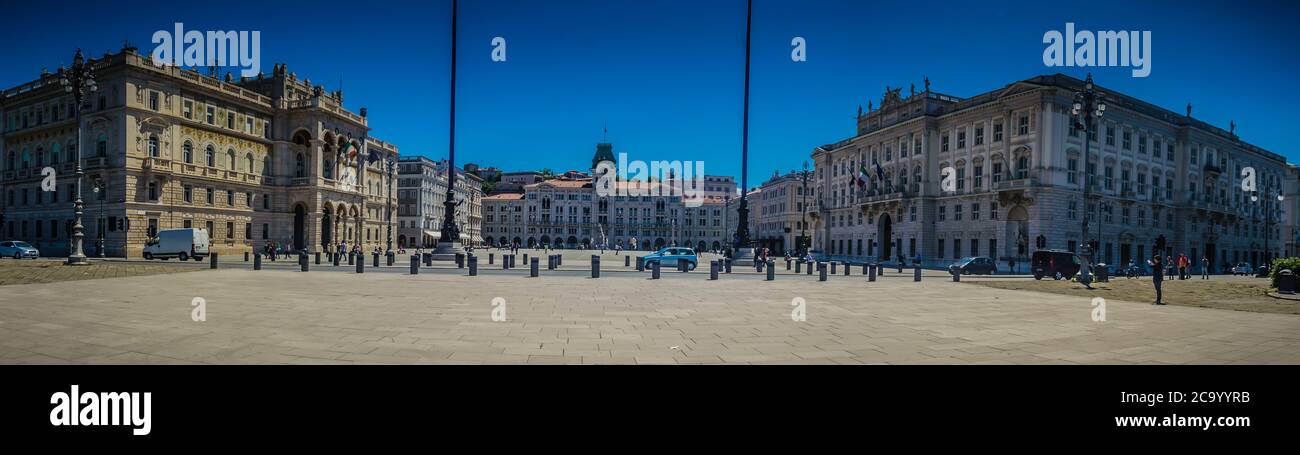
(743, 257)
(447, 251)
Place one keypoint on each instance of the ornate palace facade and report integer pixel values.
(1020, 170)
(272, 158)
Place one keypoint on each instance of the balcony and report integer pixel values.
(1012, 184)
(1212, 170)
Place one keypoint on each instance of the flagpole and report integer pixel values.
(743, 255)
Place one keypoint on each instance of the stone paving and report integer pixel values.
(285, 317)
(53, 270)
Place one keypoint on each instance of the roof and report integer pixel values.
(504, 197)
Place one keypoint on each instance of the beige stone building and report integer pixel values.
(1019, 171)
(780, 219)
(272, 158)
(422, 194)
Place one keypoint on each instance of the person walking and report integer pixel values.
(1182, 266)
(1205, 267)
(1157, 276)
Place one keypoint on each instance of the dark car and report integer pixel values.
(974, 266)
(1057, 264)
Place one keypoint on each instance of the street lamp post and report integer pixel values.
(803, 214)
(391, 166)
(1089, 105)
(101, 193)
(79, 81)
(1268, 221)
(744, 255)
(449, 237)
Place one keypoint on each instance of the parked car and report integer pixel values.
(18, 249)
(1056, 264)
(187, 243)
(667, 258)
(974, 265)
(1243, 268)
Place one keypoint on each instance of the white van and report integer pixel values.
(178, 243)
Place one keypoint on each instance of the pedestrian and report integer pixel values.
(1182, 266)
(1157, 276)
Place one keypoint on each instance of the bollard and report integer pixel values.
(681, 266)
(376, 261)
(864, 268)
(428, 259)
(526, 259)
(415, 264)
(956, 277)
(821, 272)
(654, 270)
(798, 267)
(559, 260)
(758, 265)
(833, 268)
(916, 274)
(640, 264)
(505, 262)
(595, 266)
(390, 257)
(727, 264)
(302, 262)
(787, 264)
(460, 261)
(713, 269)
(810, 267)
(848, 268)
(871, 272)
(771, 270)
(532, 268)
(257, 261)
(317, 258)
(627, 261)
(212, 261)
(491, 258)
(245, 256)
(352, 258)
(361, 265)
(473, 265)
(336, 259)
(900, 268)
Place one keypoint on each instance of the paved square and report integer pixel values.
(282, 316)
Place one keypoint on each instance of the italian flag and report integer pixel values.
(348, 149)
(862, 176)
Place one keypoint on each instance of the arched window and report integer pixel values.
(54, 153)
(187, 152)
(40, 157)
(153, 146)
(230, 159)
(210, 157)
(327, 168)
(27, 158)
(248, 162)
(300, 166)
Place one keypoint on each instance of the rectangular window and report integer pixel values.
(974, 212)
(212, 195)
(943, 143)
(1128, 140)
(187, 109)
(153, 100)
(189, 194)
(997, 132)
(212, 115)
(1024, 125)
(979, 135)
(961, 138)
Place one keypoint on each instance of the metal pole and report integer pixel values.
(742, 224)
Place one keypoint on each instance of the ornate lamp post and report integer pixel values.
(803, 214)
(390, 165)
(79, 81)
(449, 238)
(1268, 219)
(1089, 106)
(744, 255)
(101, 192)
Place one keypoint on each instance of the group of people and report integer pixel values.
(1171, 266)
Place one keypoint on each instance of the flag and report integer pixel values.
(863, 176)
(372, 157)
(880, 173)
(348, 149)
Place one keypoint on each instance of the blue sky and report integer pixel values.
(667, 75)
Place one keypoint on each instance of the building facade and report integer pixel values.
(781, 220)
(1019, 168)
(422, 196)
(567, 212)
(267, 159)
